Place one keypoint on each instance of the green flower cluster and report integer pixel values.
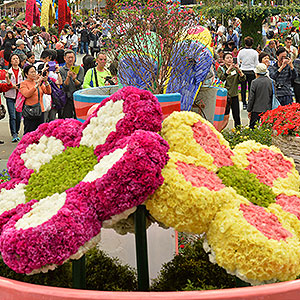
(261, 134)
(64, 171)
(247, 185)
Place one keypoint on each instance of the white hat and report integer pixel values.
(261, 69)
(20, 42)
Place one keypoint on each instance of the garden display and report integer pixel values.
(285, 125)
(245, 199)
(69, 180)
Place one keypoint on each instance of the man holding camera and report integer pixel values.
(72, 79)
(98, 76)
(283, 73)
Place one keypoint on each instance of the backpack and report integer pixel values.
(59, 97)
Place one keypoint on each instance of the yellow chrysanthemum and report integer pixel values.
(290, 181)
(246, 252)
(179, 131)
(180, 204)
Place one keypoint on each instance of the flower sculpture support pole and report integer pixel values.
(79, 273)
(141, 248)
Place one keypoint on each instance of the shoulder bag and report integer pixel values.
(2, 111)
(32, 111)
(275, 102)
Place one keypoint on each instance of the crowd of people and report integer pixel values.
(270, 69)
(43, 71)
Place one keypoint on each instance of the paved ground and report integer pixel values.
(7, 148)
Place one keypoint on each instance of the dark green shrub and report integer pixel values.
(192, 270)
(102, 273)
(107, 274)
(60, 277)
(261, 134)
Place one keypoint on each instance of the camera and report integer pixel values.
(288, 55)
(109, 80)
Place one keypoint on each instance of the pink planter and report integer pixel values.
(15, 290)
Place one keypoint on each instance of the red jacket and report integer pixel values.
(4, 87)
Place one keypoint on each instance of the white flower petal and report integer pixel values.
(39, 154)
(103, 124)
(42, 211)
(9, 199)
(104, 165)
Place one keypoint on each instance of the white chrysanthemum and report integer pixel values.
(39, 154)
(104, 165)
(9, 199)
(101, 126)
(42, 211)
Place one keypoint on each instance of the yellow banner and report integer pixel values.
(47, 14)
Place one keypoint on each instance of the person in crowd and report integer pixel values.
(2, 30)
(33, 89)
(260, 97)
(221, 38)
(113, 68)
(52, 42)
(41, 65)
(72, 81)
(248, 60)
(23, 59)
(25, 38)
(97, 76)
(45, 35)
(283, 72)
(222, 28)
(84, 40)
(95, 41)
(45, 57)
(291, 50)
(38, 46)
(30, 58)
(9, 38)
(220, 58)
(294, 36)
(20, 47)
(4, 87)
(232, 75)
(88, 62)
(232, 36)
(296, 84)
(16, 77)
(64, 36)
(55, 76)
(72, 41)
(5, 56)
(60, 54)
(271, 50)
(265, 59)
